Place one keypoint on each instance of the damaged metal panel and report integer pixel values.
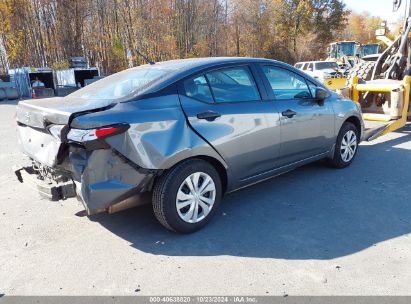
(39, 145)
(41, 112)
(159, 135)
(103, 178)
(59, 188)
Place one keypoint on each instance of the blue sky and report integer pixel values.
(378, 8)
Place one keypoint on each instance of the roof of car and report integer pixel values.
(181, 68)
(208, 61)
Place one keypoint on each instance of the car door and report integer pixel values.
(226, 107)
(307, 126)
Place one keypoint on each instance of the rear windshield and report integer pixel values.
(123, 84)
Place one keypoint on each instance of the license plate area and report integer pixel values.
(39, 145)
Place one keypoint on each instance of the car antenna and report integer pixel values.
(145, 57)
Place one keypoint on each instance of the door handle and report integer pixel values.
(289, 113)
(209, 115)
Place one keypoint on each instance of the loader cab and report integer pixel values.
(370, 49)
(338, 50)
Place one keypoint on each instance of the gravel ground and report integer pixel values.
(313, 231)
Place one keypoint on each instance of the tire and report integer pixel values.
(172, 188)
(340, 159)
(363, 70)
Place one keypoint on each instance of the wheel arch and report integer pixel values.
(356, 122)
(221, 169)
(216, 163)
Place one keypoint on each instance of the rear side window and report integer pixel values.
(233, 85)
(298, 65)
(198, 88)
(286, 84)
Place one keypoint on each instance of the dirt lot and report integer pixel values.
(314, 231)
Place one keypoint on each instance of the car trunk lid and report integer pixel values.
(40, 113)
(36, 115)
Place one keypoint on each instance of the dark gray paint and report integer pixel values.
(103, 179)
(251, 140)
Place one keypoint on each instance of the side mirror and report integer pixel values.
(320, 94)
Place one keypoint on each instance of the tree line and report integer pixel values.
(109, 33)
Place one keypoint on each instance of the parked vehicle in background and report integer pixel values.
(328, 72)
(184, 132)
(8, 90)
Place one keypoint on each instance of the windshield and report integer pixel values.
(370, 49)
(343, 49)
(122, 84)
(346, 49)
(326, 65)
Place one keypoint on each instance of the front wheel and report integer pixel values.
(186, 196)
(346, 146)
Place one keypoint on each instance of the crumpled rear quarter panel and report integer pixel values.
(103, 178)
(159, 135)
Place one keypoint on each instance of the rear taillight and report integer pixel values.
(104, 132)
(86, 135)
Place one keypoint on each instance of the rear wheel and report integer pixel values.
(186, 197)
(346, 146)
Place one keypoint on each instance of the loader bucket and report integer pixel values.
(384, 104)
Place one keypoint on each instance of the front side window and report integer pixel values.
(233, 85)
(312, 88)
(286, 84)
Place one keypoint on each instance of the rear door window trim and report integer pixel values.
(258, 81)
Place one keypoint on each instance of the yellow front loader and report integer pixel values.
(385, 104)
(384, 91)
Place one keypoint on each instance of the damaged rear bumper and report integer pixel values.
(102, 180)
(52, 190)
(99, 176)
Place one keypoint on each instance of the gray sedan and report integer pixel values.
(183, 133)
